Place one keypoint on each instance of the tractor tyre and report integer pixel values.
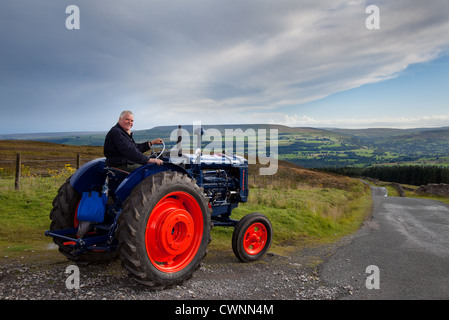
(164, 230)
(252, 237)
(63, 216)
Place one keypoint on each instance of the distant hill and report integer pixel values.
(307, 147)
(376, 134)
(87, 138)
(164, 132)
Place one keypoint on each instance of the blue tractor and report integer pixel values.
(158, 219)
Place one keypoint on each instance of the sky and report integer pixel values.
(317, 63)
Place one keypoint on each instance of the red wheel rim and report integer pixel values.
(255, 238)
(174, 232)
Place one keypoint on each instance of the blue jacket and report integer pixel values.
(120, 148)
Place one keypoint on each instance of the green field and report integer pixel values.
(365, 148)
(309, 147)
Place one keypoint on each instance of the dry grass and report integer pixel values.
(39, 157)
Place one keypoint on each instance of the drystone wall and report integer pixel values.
(441, 189)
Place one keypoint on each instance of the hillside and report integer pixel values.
(310, 147)
(164, 132)
(39, 157)
(369, 147)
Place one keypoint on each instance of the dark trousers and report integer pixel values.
(129, 167)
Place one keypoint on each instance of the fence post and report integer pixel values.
(78, 160)
(18, 171)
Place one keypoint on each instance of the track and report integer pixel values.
(405, 247)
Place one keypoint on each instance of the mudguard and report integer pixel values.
(92, 174)
(135, 177)
(89, 175)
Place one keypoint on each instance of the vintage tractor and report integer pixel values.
(157, 218)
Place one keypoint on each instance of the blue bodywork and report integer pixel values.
(93, 175)
(222, 177)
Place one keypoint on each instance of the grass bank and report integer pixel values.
(304, 215)
(25, 214)
(409, 191)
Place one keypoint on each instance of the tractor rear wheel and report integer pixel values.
(64, 216)
(164, 230)
(252, 237)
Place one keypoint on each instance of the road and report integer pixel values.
(402, 253)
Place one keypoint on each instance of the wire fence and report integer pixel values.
(25, 167)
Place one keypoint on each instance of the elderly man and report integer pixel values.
(120, 149)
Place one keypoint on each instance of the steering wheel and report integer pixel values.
(158, 154)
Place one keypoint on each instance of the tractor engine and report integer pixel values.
(224, 180)
(220, 187)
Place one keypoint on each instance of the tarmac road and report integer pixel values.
(402, 253)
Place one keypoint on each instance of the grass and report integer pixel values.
(303, 215)
(410, 191)
(41, 157)
(304, 207)
(25, 214)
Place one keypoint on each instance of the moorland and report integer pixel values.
(309, 147)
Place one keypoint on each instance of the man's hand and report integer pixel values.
(156, 161)
(157, 141)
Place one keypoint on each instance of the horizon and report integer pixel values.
(211, 125)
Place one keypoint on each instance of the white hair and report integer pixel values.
(124, 113)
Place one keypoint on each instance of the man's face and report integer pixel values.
(126, 122)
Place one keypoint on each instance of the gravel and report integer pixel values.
(294, 276)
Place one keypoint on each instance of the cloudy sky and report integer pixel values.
(293, 62)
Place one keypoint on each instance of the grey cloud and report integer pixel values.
(187, 57)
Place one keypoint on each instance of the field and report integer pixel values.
(365, 148)
(311, 147)
(42, 158)
(306, 207)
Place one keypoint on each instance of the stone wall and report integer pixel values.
(398, 188)
(435, 189)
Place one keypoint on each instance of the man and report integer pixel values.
(120, 149)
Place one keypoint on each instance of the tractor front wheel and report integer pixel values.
(252, 237)
(164, 230)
